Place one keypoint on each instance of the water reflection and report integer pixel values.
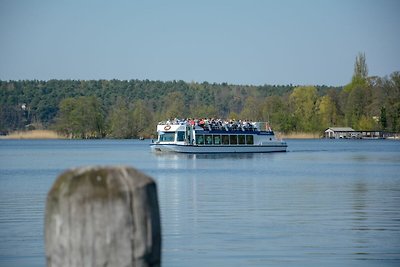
(183, 156)
(359, 219)
(360, 191)
(177, 156)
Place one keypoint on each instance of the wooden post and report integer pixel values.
(103, 216)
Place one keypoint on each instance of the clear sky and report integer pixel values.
(240, 42)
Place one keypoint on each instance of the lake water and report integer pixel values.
(323, 203)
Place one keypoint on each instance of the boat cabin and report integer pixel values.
(188, 134)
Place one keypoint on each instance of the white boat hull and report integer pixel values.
(204, 149)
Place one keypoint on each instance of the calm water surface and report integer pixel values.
(323, 203)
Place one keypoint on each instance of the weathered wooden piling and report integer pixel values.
(103, 216)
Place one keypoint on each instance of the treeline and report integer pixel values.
(122, 109)
(129, 109)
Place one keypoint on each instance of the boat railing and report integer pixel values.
(221, 125)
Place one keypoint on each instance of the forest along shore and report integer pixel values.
(131, 109)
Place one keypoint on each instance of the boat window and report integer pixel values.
(225, 139)
(241, 139)
(200, 139)
(233, 139)
(167, 137)
(249, 140)
(180, 136)
(217, 139)
(208, 139)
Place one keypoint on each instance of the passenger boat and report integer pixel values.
(216, 136)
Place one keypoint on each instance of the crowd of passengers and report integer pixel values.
(211, 124)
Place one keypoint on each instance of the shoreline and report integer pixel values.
(34, 134)
(298, 136)
(49, 134)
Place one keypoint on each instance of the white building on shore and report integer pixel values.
(341, 132)
(350, 133)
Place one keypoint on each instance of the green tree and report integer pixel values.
(327, 112)
(366, 123)
(392, 103)
(275, 111)
(204, 111)
(394, 117)
(357, 104)
(357, 95)
(174, 105)
(360, 74)
(383, 119)
(81, 117)
(251, 109)
(360, 67)
(303, 101)
(118, 120)
(141, 119)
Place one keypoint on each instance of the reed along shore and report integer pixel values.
(34, 134)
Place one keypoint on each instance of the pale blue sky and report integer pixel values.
(240, 42)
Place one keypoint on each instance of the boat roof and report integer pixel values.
(340, 129)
